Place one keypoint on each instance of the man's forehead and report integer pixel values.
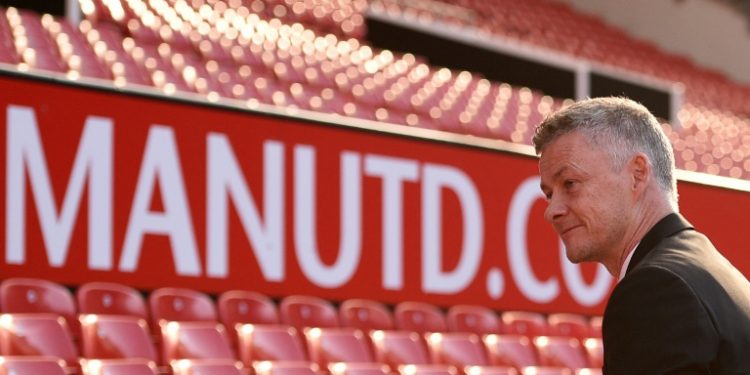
(559, 151)
(569, 152)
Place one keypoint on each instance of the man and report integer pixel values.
(679, 307)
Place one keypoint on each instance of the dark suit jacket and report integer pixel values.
(681, 308)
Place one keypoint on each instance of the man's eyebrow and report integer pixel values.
(559, 172)
(555, 176)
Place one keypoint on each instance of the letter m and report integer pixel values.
(93, 163)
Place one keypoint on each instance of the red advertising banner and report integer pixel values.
(149, 192)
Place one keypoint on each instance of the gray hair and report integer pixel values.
(622, 127)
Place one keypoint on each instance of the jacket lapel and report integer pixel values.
(668, 226)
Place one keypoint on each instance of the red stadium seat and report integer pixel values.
(306, 311)
(419, 317)
(331, 345)
(596, 326)
(28, 295)
(545, 370)
(195, 340)
(457, 349)
(183, 305)
(107, 41)
(206, 367)
(523, 323)
(491, 370)
(116, 336)
(110, 299)
(475, 319)
(569, 325)
(343, 368)
(397, 348)
(241, 306)
(365, 315)
(427, 370)
(8, 52)
(595, 351)
(118, 367)
(157, 61)
(38, 51)
(31, 365)
(74, 49)
(37, 335)
(511, 350)
(561, 351)
(285, 368)
(269, 343)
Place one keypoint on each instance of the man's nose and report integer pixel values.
(555, 209)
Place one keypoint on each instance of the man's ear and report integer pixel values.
(640, 169)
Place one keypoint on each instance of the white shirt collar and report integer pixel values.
(627, 262)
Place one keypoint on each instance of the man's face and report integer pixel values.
(589, 201)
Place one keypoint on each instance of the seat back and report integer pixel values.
(459, 349)
(305, 311)
(31, 365)
(195, 340)
(596, 326)
(342, 368)
(365, 315)
(561, 352)
(569, 325)
(241, 306)
(397, 348)
(116, 336)
(36, 335)
(269, 343)
(511, 350)
(206, 367)
(183, 305)
(29, 295)
(331, 345)
(470, 318)
(427, 370)
(118, 367)
(285, 368)
(491, 370)
(594, 348)
(111, 299)
(419, 317)
(545, 370)
(523, 323)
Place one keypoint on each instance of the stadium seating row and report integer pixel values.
(25, 295)
(113, 324)
(234, 50)
(51, 366)
(285, 65)
(713, 121)
(266, 61)
(556, 26)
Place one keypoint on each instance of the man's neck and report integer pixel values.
(626, 263)
(648, 218)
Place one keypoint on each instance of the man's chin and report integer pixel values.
(576, 256)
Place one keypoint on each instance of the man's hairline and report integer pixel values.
(591, 141)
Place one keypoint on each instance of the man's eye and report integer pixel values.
(570, 184)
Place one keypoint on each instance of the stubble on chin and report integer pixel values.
(578, 254)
